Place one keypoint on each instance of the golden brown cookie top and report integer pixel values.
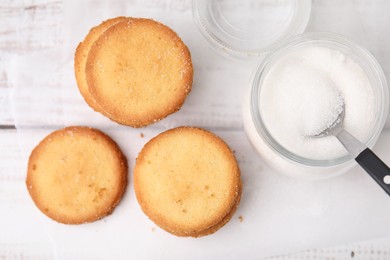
(139, 71)
(187, 181)
(81, 56)
(76, 175)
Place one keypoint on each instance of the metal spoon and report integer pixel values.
(366, 158)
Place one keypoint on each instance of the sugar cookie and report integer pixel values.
(187, 181)
(76, 175)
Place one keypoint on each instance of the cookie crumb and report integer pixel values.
(352, 254)
(141, 135)
(153, 229)
(241, 218)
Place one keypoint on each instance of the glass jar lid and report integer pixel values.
(249, 29)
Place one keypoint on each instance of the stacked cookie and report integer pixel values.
(135, 71)
(187, 181)
(76, 175)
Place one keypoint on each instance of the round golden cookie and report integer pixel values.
(76, 175)
(80, 60)
(139, 71)
(187, 181)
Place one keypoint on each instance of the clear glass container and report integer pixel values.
(273, 152)
(248, 29)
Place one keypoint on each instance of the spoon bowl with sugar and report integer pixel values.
(363, 155)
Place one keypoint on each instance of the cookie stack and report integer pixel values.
(76, 175)
(187, 181)
(135, 71)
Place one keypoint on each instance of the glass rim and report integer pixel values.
(296, 26)
(335, 40)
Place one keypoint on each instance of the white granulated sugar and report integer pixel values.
(304, 93)
(312, 96)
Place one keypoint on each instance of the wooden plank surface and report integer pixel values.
(27, 26)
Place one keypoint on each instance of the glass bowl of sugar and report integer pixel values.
(294, 93)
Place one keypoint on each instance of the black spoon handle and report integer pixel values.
(374, 166)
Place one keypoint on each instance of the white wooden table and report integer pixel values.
(27, 26)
